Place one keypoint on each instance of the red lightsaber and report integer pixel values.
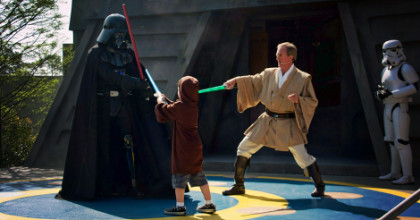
(132, 41)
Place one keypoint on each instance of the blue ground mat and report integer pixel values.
(266, 198)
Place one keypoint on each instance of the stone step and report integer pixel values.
(285, 164)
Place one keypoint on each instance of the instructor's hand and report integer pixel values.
(230, 84)
(293, 98)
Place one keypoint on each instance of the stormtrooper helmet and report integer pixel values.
(392, 52)
(114, 32)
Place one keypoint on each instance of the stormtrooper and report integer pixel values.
(398, 82)
(115, 141)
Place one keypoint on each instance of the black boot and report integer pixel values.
(314, 173)
(238, 188)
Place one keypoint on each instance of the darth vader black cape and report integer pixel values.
(96, 163)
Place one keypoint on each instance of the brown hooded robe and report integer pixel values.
(187, 148)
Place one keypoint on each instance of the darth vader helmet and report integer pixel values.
(393, 54)
(114, 32)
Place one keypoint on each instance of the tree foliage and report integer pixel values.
(29, 68)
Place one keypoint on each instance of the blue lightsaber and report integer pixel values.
(153, 83)
(157, 91)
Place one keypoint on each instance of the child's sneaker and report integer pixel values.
(207, 208)
(176, 210)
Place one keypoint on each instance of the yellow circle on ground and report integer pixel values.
(266, 211)
(342, 195)
(251, 205)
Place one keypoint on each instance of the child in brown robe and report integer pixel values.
(187, 148)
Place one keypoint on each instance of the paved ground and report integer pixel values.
(28, 193)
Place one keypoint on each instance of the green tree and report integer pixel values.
(29, 68)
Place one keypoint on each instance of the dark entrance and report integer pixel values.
(318, 40)
(322, 52)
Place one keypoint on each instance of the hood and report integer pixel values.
(188, 89)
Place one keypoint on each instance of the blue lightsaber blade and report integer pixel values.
(157, 91)
(153, 83)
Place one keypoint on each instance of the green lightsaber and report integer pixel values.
(212, 89)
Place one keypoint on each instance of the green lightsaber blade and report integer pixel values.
(212, 89)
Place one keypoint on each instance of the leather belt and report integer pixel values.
(109, 93)
(280, 115)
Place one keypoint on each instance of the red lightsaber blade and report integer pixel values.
(132, 41)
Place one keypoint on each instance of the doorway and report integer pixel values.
(319, 42)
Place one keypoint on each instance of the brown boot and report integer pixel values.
(314, 173)
(238, 188)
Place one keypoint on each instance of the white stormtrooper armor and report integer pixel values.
(398, 82)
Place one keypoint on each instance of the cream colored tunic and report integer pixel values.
(278, 133)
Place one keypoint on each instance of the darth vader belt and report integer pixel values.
(113, 93)
(110, 93)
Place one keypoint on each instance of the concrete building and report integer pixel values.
(339, 43)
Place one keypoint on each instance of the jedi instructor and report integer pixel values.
(290, 102)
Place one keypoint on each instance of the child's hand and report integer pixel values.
(160, 98)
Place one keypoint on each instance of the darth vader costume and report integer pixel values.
(116, 146)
